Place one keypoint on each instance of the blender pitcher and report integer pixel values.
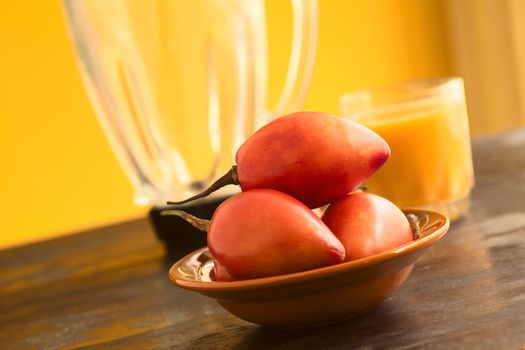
(179, 85)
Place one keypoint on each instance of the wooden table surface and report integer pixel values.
(108, 288)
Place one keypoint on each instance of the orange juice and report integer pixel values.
(431, 161)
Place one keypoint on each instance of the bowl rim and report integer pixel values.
(308, 275)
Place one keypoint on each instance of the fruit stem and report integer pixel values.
(361, 188)
(198, 223)
(230, 178)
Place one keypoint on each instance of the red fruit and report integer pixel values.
(220, 273)
(314, 157)
(367, 224)
(264, 232)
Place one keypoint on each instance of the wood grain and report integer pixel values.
(108, 288)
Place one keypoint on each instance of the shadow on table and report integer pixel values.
(378, 327)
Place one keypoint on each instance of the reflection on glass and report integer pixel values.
(178, 85)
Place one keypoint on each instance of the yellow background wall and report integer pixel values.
(58, 174)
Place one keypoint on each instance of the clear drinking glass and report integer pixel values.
(178, 85)
(426, 125)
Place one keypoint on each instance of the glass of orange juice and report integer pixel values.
(426, 125)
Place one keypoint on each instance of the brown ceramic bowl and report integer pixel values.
(317, 296)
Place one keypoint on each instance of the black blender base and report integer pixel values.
(179, 237)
